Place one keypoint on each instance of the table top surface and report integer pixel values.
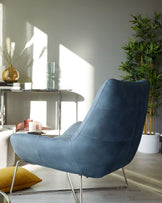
(21, 87)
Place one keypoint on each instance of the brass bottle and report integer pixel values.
(10, 74)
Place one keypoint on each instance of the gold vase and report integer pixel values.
(10, 74)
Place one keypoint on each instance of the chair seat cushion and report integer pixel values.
(24, 179)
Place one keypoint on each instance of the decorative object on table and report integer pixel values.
(24, 179)
(143, 54)
(50, 75)
(32, 126)
(16, 85)
(44, 75)
(35, 125)
(27, 86)
(11, 74)
(5, 84)
(26, 124)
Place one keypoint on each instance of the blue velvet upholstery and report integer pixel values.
(105, 141)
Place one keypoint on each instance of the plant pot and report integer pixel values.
(149, 144)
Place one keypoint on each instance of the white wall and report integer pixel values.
(84, 37)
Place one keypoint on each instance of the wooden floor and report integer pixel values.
(144, 176)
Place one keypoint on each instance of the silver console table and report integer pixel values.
(20, 87)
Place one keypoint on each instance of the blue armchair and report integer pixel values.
(105, 141)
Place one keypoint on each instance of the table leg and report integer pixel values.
(2, 108)
(59, 111)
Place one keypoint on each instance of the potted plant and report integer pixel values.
(11, 74)
(143, 54)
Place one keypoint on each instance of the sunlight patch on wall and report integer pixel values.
(38, 111)
(39, 59)
(68, 115)
(78, 75)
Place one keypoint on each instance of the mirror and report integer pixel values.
(4, 198)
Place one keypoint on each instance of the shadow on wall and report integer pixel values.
(72, 72)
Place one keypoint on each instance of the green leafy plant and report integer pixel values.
(143, 53)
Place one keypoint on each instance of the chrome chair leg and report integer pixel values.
(72, 188)
(13, 180)
(71, 185)
(81, 190)
(125, 178)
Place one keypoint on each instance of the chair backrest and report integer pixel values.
(109, 136)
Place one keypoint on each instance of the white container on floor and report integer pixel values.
(149, 144)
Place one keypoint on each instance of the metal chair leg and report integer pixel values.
(72, 188)
(125, 178)
(13, 180)
(81, 190)
(71, 185)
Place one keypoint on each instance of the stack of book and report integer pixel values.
(10, 86)
(15, 85)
